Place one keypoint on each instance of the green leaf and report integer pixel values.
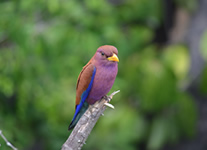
(158, 134)
(177, 58)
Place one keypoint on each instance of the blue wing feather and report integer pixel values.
(83, 99)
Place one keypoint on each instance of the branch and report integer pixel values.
(7, 142)
(86, 123)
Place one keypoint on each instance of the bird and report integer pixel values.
(95, 80)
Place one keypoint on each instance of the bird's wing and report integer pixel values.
(84, 85)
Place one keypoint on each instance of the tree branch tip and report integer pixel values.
(115, 92)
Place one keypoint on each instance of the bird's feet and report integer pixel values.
(109, 105)
(108, 99)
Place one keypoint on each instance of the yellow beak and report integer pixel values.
(113, 58)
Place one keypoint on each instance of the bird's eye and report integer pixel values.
(102, 53)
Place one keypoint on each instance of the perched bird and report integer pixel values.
(95, 80)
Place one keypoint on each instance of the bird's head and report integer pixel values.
(106, 55)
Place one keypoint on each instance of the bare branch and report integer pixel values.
(86, 123)
(7, 142)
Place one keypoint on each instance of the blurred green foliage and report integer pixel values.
(45, 44)
(203, 45)
(190, 5)
(203, 51)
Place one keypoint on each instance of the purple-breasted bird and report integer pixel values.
(95, 80)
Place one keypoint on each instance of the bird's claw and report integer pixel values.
(108, 99)
(109, 105)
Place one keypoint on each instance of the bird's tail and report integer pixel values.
(78, 115)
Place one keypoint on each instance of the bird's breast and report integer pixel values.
(103, 81)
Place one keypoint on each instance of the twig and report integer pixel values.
(86, 123)
(7, 142)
